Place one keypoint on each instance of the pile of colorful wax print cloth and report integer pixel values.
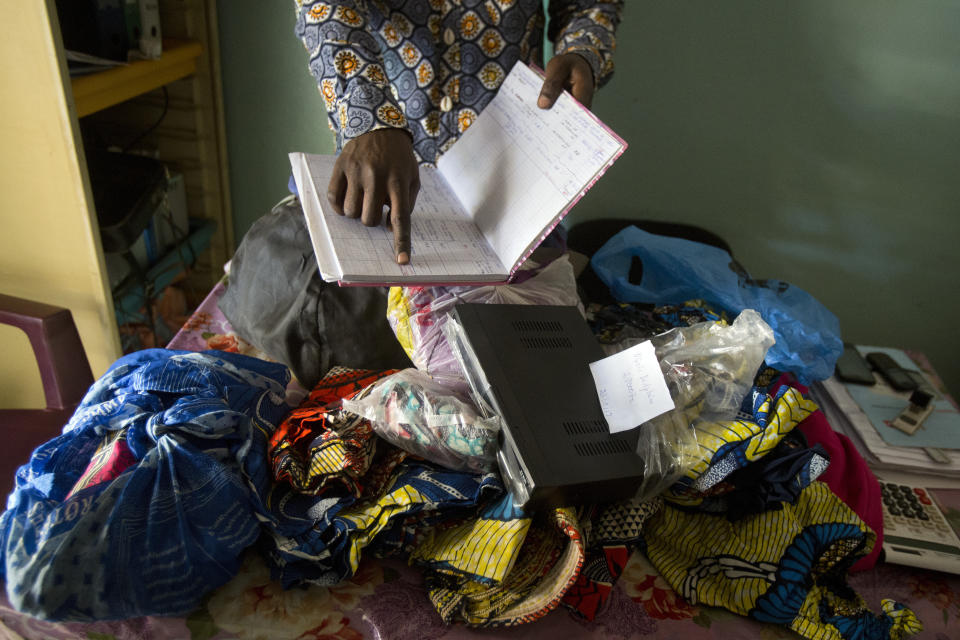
(509, 567)
(848, 475)
(786, 566)
(748, 527)
(774, 407)
(318, 445)
(343, 493)
(147, 500)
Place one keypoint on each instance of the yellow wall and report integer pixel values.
(49, 248)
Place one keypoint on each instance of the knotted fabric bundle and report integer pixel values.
(164, 521)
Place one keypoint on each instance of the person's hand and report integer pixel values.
(571, 72)
(373, 170)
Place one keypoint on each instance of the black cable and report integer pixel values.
(149, 130)
(179, 235)
(181, 242)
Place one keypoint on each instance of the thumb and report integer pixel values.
(552, 84)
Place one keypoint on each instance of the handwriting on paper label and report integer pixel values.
(631, 387)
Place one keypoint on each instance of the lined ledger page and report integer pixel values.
(446, 244)
(518, 168)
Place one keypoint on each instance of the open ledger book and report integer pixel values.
(493, 198)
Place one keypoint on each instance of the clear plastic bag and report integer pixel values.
(709, 368)
(418, 314)
(428, 419)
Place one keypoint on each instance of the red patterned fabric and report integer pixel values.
(319, 444)
(112, 458)
(848, 476)
(613, 533)
(594, 584)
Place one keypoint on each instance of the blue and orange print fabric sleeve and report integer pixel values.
(347, 64)
(587, 28)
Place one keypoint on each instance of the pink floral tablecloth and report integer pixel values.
(386, 599)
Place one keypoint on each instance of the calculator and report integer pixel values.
(915, 531)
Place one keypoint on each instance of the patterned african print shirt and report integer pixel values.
(431, 66)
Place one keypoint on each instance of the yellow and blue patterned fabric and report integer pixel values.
(431, 66)
(725, 447)
(155, 538)
(768, 483)
(483, 549)
(546, 562)
(786, 566)
(508, 567)
(320, 539)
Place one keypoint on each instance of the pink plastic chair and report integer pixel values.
(65, 373)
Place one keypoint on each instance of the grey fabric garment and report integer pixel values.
(277, 301)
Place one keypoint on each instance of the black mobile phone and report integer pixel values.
(894, 374)
(923, 384)
(852, 367)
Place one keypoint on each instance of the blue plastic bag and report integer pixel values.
(676, 270)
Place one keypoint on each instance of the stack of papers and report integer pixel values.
(863, 413)
(82, 63)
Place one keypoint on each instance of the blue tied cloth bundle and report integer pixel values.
(173, 525)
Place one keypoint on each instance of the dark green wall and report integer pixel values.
(820, 138)
(271, 104)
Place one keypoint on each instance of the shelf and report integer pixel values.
(97, 91)
(131, 294)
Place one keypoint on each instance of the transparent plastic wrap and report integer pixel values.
(428, 419)
(709, 369)
(418, 314)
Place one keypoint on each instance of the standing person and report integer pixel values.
(403, 79)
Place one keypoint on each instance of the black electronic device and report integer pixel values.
(894, 374)
(127, 190)
(853, 367)
(95, 27)
(530, 364)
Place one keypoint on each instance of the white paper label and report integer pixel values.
(631, 387)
